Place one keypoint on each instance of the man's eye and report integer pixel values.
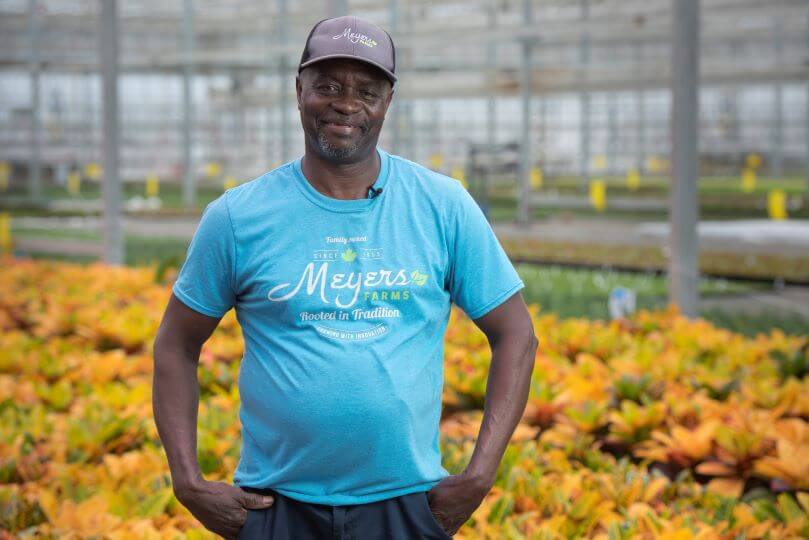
(369, 95)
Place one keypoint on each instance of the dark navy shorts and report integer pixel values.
(398, 518)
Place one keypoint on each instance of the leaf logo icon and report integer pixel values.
(349, 255)
(418, 278)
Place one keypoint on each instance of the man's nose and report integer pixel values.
(347, 103)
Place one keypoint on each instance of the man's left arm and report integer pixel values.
(510, 332)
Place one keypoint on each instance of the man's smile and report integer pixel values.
(341, 127)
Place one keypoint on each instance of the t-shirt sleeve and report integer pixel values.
(206, 279)
(480, 274)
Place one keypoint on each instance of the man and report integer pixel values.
(342, 266)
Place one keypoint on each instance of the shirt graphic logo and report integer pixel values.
(317, 278)
(329, 271)
(352, 335)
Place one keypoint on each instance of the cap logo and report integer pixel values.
(354, 37)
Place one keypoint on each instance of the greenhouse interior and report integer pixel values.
(644, 165)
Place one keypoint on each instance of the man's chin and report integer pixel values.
(341, 150)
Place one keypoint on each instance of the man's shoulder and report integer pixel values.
(425, 178)
(267, 182)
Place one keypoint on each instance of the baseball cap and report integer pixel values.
(350, 37)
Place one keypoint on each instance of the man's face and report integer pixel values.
(343, 104)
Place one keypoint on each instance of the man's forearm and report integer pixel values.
(507, 389)
(175, 400)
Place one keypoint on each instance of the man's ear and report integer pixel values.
(388, 100)
(298, 90)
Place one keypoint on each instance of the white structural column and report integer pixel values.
(542, 144)
(640, 132)
(404, 62)
(526, 70)
(283, 88)
(491, 99)
(684, 203)
(111, 182)
(270, 38)
(396, 123)
(613, 133)
(778, 105)
(189, 178)
(584, 124)
(35, 162)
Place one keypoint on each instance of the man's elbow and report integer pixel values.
(158, 345)
(527, 333)
(527, 337)
(533, 343)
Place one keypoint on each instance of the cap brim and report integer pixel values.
(390, 75)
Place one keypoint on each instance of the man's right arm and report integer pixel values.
(175, 390)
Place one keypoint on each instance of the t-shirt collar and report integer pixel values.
(343, 205)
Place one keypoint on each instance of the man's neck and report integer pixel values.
(341, 181)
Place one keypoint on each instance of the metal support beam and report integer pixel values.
(640, 102)
(584, 121)
(543, 132)
(612, 130)
(111, 182)
(436, 133)
(523, 201)
(35, 162)
(269, 39)
(189, 176)
(491, 98)
(778, 132)
(89, 152)
(283, 84)
(396, 120)
(684, 212)
(778, 105)
(407, 105)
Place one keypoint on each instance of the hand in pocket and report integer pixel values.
(221, 507)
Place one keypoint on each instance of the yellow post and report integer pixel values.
(654, 164)
(536, 177)
(74, 182)
(458, 174)
(598, 194)
(748, 180)
(5, 233)
(93, 171)
(5, 175)
(632, 179)
(212, 170)
(777, 204)
(152, 185)
(436, 160)
(229, 182)
(753, 161)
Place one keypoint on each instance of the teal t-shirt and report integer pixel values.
(343, 306)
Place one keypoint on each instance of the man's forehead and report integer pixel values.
(336, 67)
